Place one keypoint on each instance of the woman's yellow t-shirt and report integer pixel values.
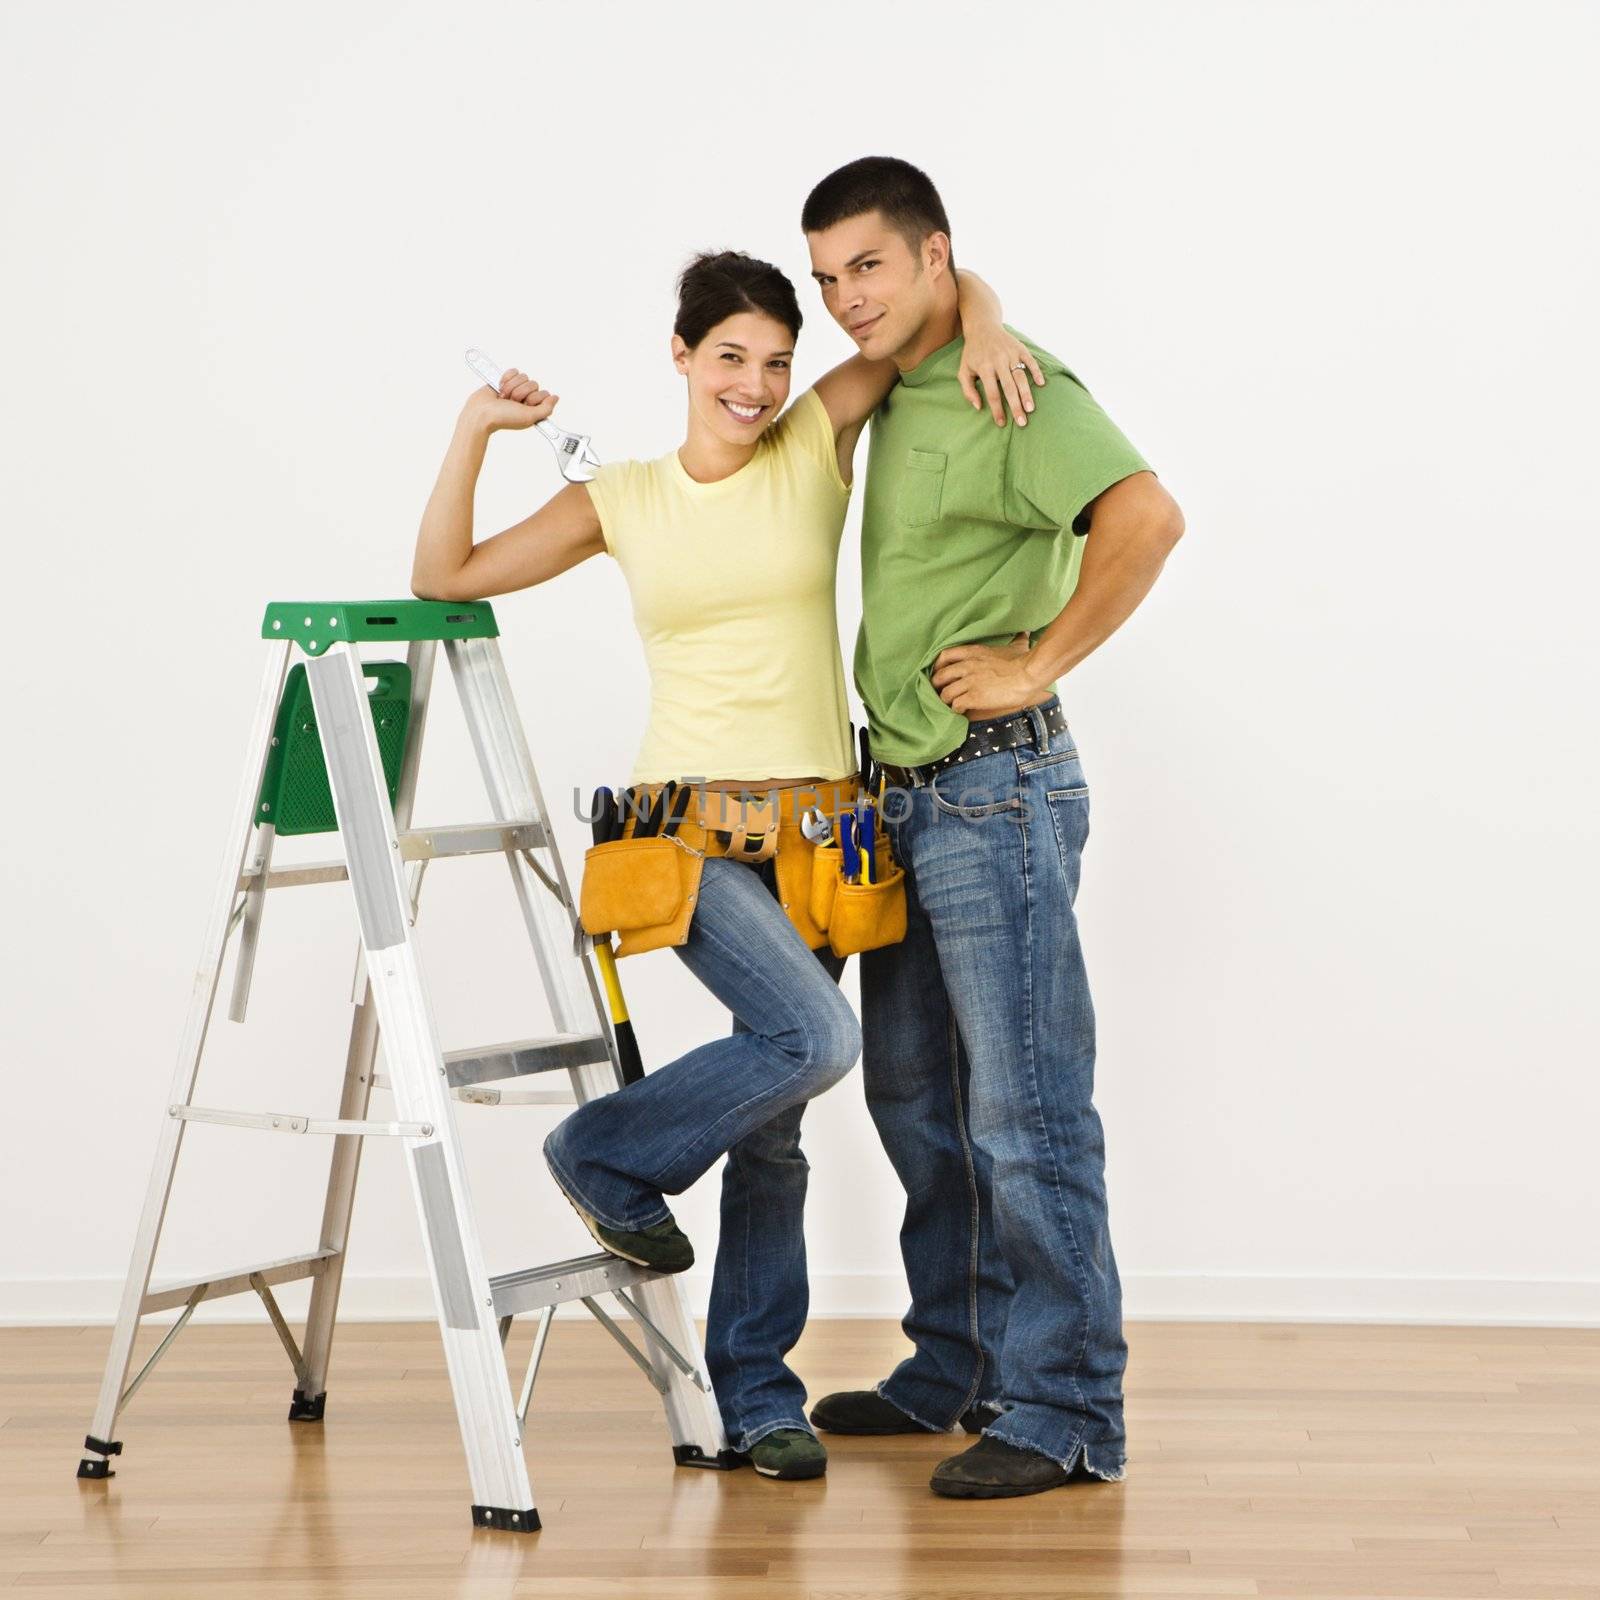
(733, 595)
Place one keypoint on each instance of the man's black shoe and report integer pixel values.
(991, 1469)
(865, 1411)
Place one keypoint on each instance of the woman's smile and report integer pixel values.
(744, 412)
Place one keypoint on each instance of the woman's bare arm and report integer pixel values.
(560, 534)
(850, 393)
(992, 356)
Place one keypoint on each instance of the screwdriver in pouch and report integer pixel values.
(849, 855)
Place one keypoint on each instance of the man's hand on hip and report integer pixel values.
(979, 680)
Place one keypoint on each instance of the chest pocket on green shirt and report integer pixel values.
(921, 488)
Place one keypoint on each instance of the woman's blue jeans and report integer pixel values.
(794, 1035)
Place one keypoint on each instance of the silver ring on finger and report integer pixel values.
(1021, 366)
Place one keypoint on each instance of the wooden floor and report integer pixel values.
(1264, 1460)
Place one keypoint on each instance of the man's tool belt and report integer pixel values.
(642, 881)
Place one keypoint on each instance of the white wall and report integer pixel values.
(1332, 267)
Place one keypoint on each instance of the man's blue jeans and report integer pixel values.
(979, 1071)
(794, 1035)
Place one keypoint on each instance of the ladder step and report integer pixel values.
(492, 1062)
(416, 844)
(237, 1280)
(581, 1278)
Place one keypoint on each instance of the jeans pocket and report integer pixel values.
(972, 794)
(1069, 815)
(1045, 763)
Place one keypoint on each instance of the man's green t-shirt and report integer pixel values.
(970, 533)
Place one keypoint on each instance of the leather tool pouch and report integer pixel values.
(857, 916)
(642, 889)
(747, 827)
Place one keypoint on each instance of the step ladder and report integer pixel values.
(337, 741)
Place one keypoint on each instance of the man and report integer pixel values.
(993, 560)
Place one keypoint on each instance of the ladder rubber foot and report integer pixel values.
(101, 1447)
(507, 1521)
(304, 1407)
(691, 1455)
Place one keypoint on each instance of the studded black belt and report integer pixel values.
(986, 738)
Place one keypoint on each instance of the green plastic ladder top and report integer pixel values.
(295, 797)
(315, 624)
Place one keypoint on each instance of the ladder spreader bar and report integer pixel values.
(663, 1343)
(536, 1355)
(293, 877)
(236, 1281)
(287, 1122)
(161, 1349)
(275, 1316)
(638, 1357)
(416, 844)
(470, 839)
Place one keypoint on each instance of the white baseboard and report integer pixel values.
(1175, 1296)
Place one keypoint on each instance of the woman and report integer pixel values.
(729, 545)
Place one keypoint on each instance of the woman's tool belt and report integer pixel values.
(746, 826)
(642, 875)
(858, 890)
(641, 879)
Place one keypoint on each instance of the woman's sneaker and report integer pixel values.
(789, 1453)
(663, 1246)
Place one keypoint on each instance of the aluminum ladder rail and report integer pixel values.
(384, 861)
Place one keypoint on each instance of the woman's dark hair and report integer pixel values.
(721, 283)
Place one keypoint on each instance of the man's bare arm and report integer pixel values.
(1133, 526)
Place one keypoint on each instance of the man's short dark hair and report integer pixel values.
(903, 193)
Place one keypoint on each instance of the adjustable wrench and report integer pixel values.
(578, 461)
